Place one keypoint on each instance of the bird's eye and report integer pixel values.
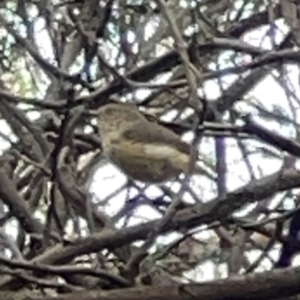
(109, 111)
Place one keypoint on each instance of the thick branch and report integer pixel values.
(274, 284)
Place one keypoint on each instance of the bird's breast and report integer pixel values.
(109, 140)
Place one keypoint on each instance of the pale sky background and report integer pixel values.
(108, 179)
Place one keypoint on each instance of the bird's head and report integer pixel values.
(114, 116)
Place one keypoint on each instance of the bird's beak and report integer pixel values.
(94, 113)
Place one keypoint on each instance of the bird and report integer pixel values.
(140, 147)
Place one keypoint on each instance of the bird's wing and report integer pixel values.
(153, 133)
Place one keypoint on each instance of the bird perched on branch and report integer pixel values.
(143, 149)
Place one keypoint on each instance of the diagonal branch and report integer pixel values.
(196, 215)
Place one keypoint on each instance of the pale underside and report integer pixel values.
(148, 162)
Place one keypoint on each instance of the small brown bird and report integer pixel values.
(142, 149)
